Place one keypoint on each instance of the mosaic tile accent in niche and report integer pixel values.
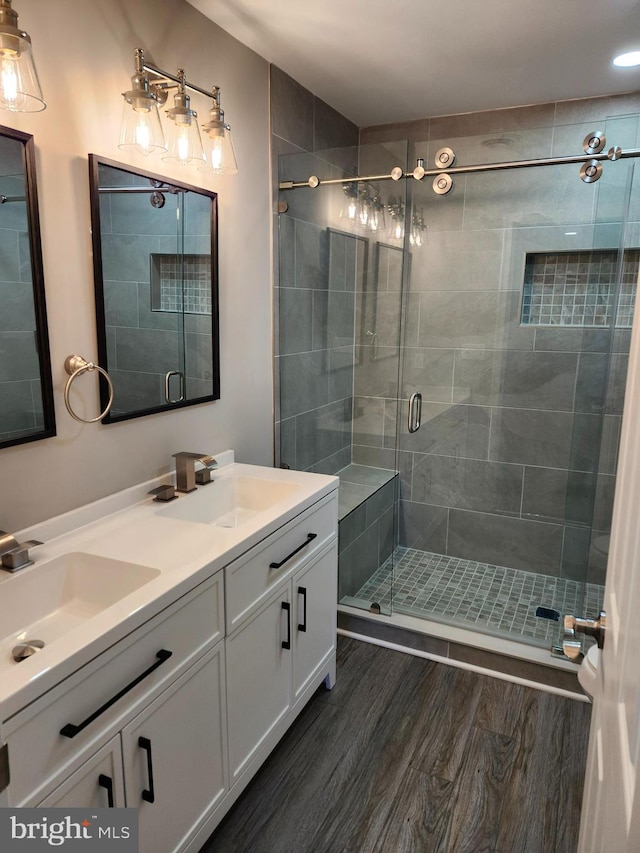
(178, 277)
(578, 288)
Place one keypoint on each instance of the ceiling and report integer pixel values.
(379, 61)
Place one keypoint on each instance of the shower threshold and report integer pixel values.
(476, 596)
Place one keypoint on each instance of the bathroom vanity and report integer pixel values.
(181, 641)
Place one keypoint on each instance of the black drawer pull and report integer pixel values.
(71, 729)
(286, 644)
(107, 782)
(310, 538)
(148, 794)
(302, 626)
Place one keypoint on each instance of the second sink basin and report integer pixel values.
(49, 600)
(230, 501)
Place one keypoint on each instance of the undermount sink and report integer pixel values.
(49, 600)
(231, 501)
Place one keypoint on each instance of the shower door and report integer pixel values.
(339, 276)
(517, 316)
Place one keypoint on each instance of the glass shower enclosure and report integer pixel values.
(458, 359)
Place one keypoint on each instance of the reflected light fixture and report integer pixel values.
(20, 89)
(351, 192)
(141, 128)
(364, 207)
(220, 155)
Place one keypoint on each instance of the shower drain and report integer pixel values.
(26, 649)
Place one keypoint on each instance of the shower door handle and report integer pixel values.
(167, 393)
(415, 412)
(571, 645)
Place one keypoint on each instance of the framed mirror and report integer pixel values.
(156, 281)
(26, 390)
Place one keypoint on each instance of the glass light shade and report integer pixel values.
(183, 140)
(141, 129)
(20, 89)
(220, 155)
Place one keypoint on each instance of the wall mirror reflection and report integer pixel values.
(26, 391)
(155, 273)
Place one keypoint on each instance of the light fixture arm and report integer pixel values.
(146, 66)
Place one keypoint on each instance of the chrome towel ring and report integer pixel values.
(76, 365)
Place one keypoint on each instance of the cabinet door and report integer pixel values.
(96, 785)
(315, 613)
(174, 756)
(258, 678)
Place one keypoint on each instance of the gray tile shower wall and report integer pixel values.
(515, 461)
(20, 393)
(134, 324)
(317, 270)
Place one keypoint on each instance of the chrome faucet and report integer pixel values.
(186, 474)
(15, 555)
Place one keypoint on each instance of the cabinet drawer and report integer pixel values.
(250, 578)
(39, 753)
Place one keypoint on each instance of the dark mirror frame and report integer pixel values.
(95, 162)
(37, 278)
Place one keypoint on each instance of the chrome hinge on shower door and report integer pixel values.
(415, 412)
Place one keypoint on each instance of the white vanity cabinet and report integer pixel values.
(281, 624)
(174, 756)
(170, 760)
(99, 783)
(147, 717)
(176, 717)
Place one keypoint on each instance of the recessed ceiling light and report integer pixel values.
(627, 60)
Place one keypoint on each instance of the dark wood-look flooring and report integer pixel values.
(406, 755)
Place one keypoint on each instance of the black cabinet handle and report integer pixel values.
(71, 729)
(148, 794)
(302, 626)
(107, 782)
(286, 644)
(310, 538)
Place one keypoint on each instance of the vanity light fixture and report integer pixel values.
(185, 144)
(220, 155)
(20, 89)
(142, 129)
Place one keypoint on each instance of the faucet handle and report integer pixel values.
(18, 557)
(164, 494)
(203, 476)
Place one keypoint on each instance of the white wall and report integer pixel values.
(84, 53)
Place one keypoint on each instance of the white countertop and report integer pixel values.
(131, 527)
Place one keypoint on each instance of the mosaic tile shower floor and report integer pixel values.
(494, 599)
